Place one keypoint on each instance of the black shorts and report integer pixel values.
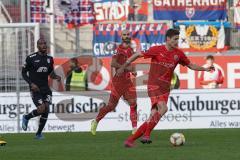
(41, 97)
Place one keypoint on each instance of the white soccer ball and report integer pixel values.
(177, 139)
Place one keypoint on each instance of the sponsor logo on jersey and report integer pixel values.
(166, 64)
(42, 69)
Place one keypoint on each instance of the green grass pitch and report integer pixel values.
(204, 144)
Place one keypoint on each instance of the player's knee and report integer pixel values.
(162, 107)
(46, 105)
(155, 107)
(153, 111)
(41, 109)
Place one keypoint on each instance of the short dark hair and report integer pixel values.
(40, 40)
(172, 32)
(210, 57)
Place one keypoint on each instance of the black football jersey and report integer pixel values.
(38, 67)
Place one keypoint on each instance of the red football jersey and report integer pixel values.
(122, 54)
(163, 63)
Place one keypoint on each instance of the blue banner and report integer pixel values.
(106, 37)
(189, 10)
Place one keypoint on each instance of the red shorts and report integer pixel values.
(123, 88)
(158, 94)
(157, 99)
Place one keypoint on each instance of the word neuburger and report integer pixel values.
(224, 106)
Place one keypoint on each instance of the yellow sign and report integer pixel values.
(200, 40)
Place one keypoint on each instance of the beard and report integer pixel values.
(126, 40)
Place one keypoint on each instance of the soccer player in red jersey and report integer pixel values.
(164, 59)
(122, 85)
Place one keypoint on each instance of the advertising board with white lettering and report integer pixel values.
(187, 109)
(111, 10)
(189, 9)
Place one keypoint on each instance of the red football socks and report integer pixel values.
(152, 123)
(133, 115)
(140, 131)
(102, 112)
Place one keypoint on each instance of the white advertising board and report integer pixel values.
(216, 108)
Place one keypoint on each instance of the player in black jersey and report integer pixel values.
(37, 68)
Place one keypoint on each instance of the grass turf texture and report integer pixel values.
(205, 144)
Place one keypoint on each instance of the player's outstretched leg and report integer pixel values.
(129, 142)
(153, 121)
(133, 117)
(27, 117)
(24, 122)
(102, 112)
(94, 125)
(131, 97)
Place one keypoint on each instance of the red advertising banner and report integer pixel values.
(100, 72)
(111, 10)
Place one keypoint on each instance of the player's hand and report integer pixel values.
(211, 68)
(120, 71)
(34, 87)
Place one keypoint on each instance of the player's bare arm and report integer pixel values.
(200, 68)
(116, 65)
(129, 61)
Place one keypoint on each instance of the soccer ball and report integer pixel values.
(177, 139)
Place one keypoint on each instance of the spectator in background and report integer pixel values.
(212, 79)
(138, 10)
(76, 77)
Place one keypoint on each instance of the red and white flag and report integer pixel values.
(75, 12)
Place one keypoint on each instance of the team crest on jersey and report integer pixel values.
(42, 69)
(176, 58)
(48, 60)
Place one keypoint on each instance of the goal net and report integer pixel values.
(17, 40)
